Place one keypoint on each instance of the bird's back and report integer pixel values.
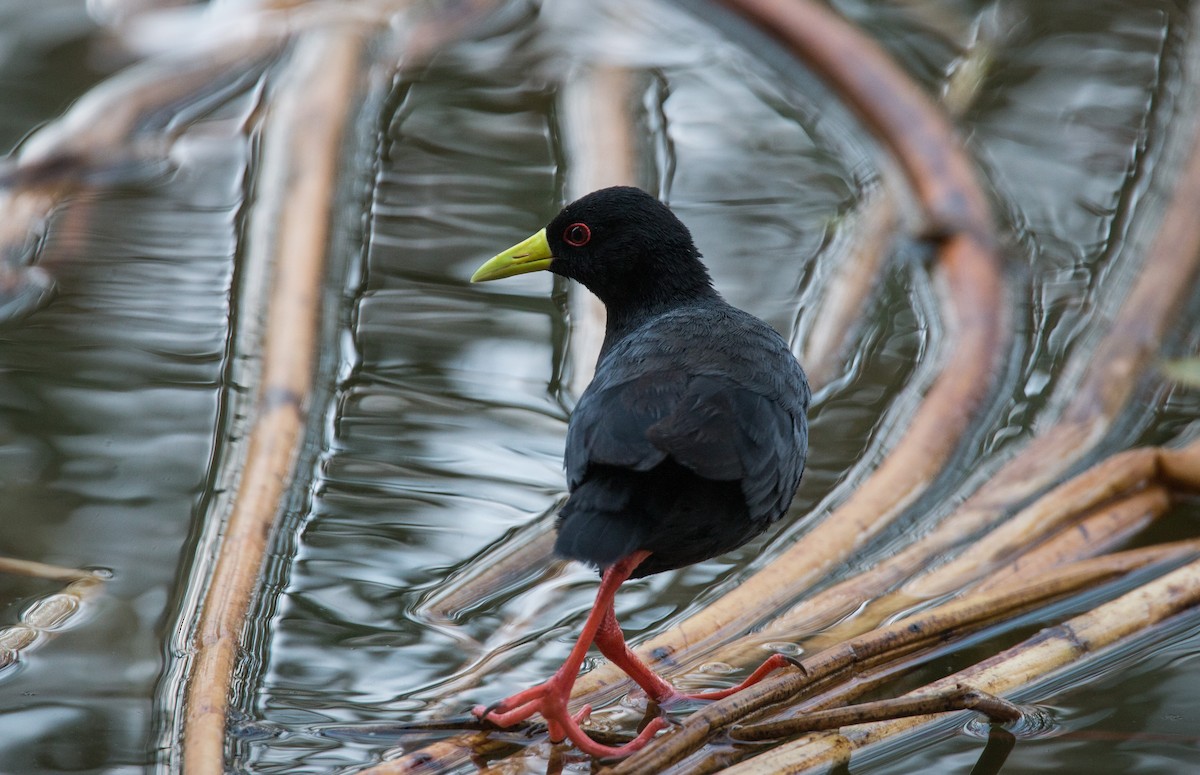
(689, 442)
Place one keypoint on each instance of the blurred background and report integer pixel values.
(436, 428)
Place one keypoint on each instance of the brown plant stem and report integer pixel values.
(1051, 649)
(835, 319)
(303, 142)
(531, 549)
(886, 100)
(843, 661)
(289, 236)
(1093, 535)
(955, 698)
(1109, 376)
(1113, 489)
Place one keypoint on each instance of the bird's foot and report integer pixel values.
(550, 700)
(515, 709)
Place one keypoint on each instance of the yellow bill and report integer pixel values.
(531, 255)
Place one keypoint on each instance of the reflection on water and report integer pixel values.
(109, 400)
(444, 430)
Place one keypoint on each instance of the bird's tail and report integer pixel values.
(596, 526)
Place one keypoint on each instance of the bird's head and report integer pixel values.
(621, 243)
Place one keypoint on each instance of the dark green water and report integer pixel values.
(444, 405)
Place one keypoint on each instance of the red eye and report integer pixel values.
(577, 235)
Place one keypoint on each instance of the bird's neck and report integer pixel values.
(623, 319)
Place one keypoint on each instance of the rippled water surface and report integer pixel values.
(437, 435)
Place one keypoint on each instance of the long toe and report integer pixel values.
(592, 748)
(774, 662)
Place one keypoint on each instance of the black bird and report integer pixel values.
(689, 441)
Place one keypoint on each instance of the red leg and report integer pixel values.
(550, 698)
(611, 642)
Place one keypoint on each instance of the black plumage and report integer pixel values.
(691, 438)
(695, 424)
(693, 401)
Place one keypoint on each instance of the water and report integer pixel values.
(440, 432)
(110, 402)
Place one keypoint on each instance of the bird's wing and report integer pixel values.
(708, 423)
(726, 431)
(608, 426)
